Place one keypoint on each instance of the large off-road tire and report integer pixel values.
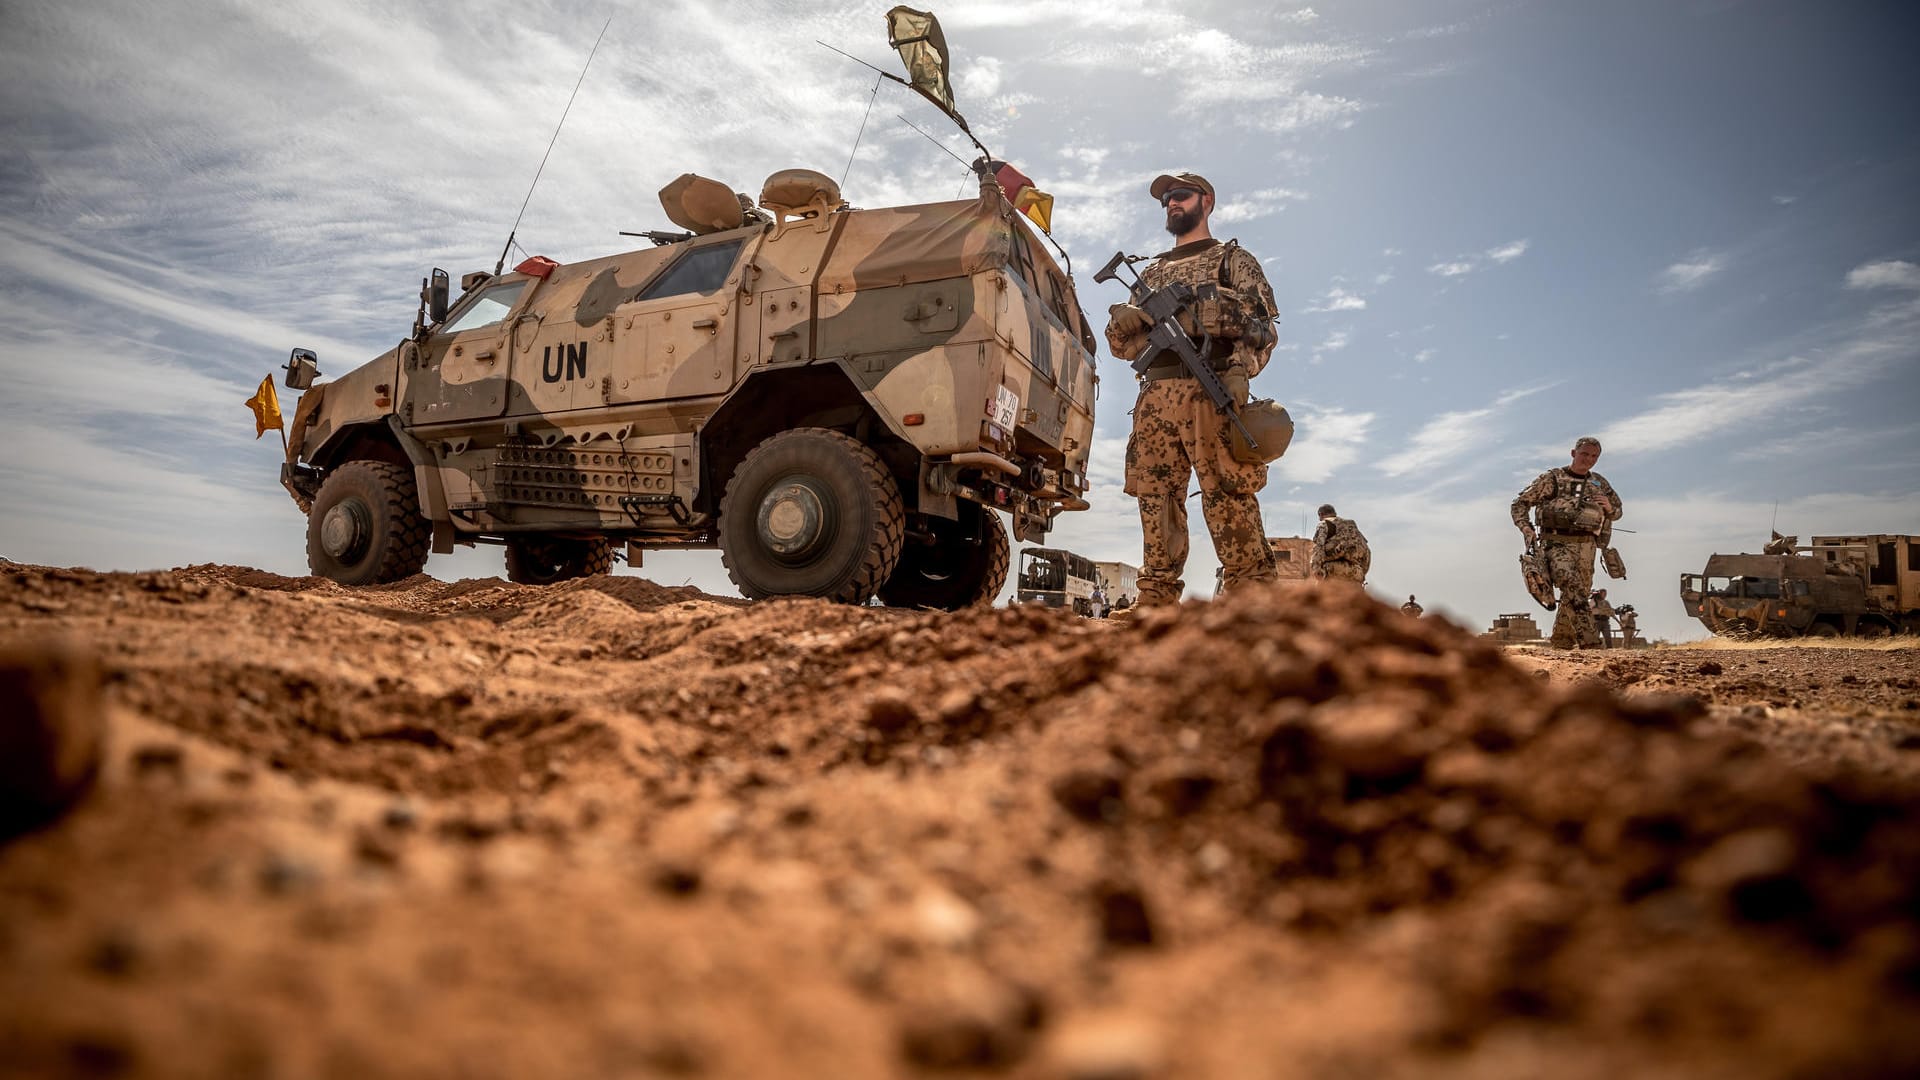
(1823, 630)
(545, 560)
(365, 527)
(963, 567)
(811, 512)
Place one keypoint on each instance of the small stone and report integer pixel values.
(890, 710)
(1373, 742)
(1124, 918)
(1710, 668)
(158, 758)
(1213, 858)
(400, 816)
(678, 879)
(1092, 795)
(1116, 1047)
(281, 874)
(50, 742)
(944, 920)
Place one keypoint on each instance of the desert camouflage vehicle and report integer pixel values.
(843, 401)
(1865, 585)
(1056, 577)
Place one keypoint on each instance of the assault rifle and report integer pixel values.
(1163, 306)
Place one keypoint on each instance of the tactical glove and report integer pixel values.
(1236, 382)
(1125, 320)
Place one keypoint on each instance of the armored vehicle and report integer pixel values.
(1866, 585)
(843, 401)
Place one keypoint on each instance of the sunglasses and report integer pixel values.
(1179, 194)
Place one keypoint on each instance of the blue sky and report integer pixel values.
(1688, 227)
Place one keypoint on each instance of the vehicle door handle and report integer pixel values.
(783, 334)
(704, 324)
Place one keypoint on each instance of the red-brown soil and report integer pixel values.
(608, 828)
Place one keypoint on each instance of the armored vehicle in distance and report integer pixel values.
(1865, 585)
(843, 401)
(1056, 577)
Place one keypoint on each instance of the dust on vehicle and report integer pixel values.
(1867, 585)
(843, 401)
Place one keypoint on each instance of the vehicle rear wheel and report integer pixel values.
(1823, 630)
(963, 567)
(546, 560)
(1872, 628)
(811, 512)
(365, 526)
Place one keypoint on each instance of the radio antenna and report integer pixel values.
(497, 266)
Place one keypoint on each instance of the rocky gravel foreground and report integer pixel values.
(269, 826)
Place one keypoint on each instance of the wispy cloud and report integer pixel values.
(1329, 440)
(1337, 299)
(1254, 205)
(1451, 434)
(1691, 272)
(1506, 253)
(1886, 274)
(1884, 340)
(1455, 268)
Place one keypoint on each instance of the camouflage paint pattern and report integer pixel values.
(1245, 287)
(1177, 433)
(1319, 566)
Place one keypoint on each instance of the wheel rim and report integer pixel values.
(345, 530)
(792, 520)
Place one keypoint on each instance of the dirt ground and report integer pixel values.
(608, 828)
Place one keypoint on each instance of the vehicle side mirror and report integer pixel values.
(437, 296)
(302, 368)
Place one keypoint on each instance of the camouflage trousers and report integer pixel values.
(1570, 567)
(1176, 433)
(1341, 570)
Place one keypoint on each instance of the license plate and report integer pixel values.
(1006, 407)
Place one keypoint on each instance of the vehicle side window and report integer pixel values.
(700, 270)
(488, 308)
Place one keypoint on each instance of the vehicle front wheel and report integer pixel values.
(961, 567)
(811, 512)
(1823, 630)
(365, 527)
(545, 560)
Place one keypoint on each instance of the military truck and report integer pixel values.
(1056, 577)
(1865, 585)
(843, 401)
(1514, 627)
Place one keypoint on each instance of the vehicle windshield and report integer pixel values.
(488, 308)
(1041, 572)
(1719, 586)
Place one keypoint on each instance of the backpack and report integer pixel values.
(1344, 542)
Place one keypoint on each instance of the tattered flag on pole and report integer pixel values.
(923, 48)
(1026, 198)
(265, 404)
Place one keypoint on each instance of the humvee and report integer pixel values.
(843, 401)
(1865, 585)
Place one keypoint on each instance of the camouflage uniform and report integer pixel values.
(1177, 431)
(1602, 613)
(1319, 566)
(1570, 527)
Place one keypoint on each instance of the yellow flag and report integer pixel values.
(1037, 205)
(265, 404)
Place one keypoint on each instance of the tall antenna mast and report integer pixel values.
(502, 262)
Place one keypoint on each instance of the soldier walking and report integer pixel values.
(1572, 505)
(1176, 430)
(1340, 551)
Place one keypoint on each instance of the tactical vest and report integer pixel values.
(1570, 508)
(1220, 310)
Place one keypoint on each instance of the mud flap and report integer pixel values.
(1533, 571)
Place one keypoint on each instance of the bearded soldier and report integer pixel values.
(1573, 506)
(1176, 430)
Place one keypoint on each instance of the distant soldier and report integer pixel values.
(1412, 607)
(1602, 617)
(1339, 549)
(1628, 620)
(1573, 505)
(1177, 431)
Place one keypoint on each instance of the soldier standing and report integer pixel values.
(1602, 617)
(1573, 505)
(1629, 622)
(1412, 607)
(1176, 430)
(1340, 551)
